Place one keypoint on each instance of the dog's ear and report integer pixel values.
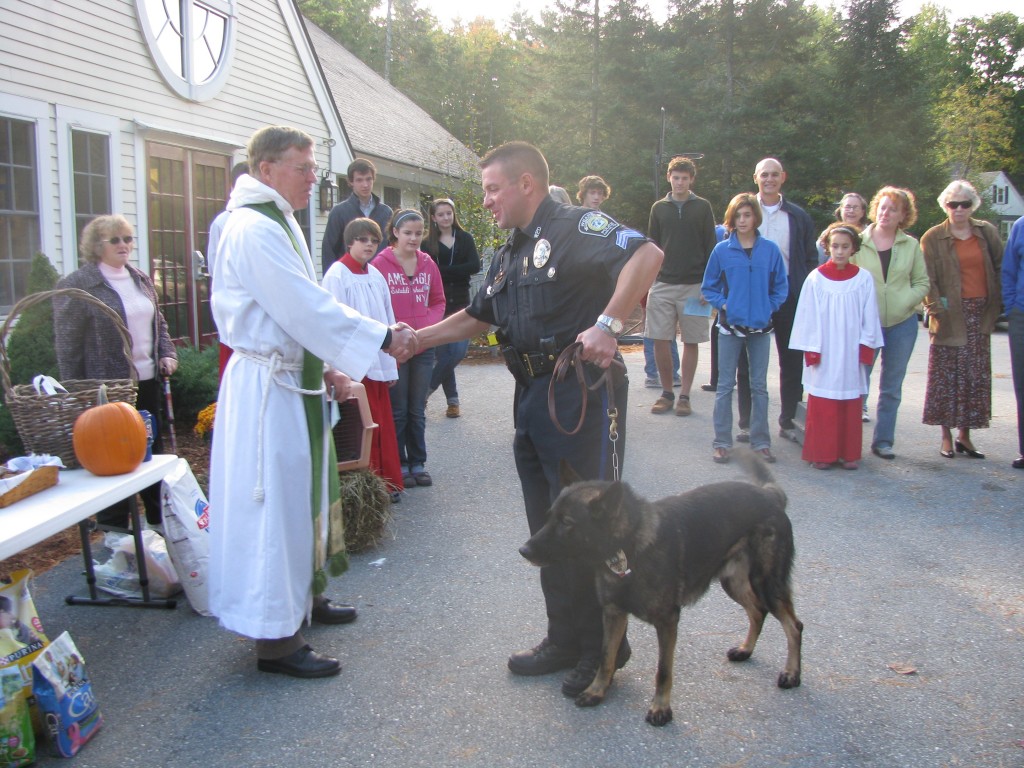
(566, 474)
(609, 501)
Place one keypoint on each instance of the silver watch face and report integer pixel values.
(612, 323)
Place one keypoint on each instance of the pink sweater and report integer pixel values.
(418, 301)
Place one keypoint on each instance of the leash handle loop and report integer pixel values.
(571, 358)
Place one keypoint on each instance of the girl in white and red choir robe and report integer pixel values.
(358, 284)
(838, 329)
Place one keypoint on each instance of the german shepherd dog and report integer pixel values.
(652, 558)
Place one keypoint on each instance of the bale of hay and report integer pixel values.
(366, 508)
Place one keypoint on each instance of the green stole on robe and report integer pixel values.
(329, 555)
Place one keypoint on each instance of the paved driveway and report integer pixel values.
(916, 562)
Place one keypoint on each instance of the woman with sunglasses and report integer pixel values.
(454, 251)
(88, 345)
(964, 257)
(896, 263)
(851, 211)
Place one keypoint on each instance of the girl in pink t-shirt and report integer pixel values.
(417, 298)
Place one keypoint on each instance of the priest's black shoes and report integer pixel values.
(326, 612)
(304, 662)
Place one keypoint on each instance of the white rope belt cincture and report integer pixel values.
(275, 363)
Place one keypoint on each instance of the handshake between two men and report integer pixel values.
(402, 347)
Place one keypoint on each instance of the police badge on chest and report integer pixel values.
(541, 253)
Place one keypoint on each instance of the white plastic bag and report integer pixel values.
(186, 526)
(120, 574)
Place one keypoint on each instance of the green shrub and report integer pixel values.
(30, 347)
(194, 384)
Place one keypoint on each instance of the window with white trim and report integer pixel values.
(191, 41)
(90, 169)
(19, 209)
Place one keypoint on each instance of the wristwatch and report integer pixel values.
(610, 325)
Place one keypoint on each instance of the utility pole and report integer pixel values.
(387, 47)
(659, 153)
(661, 157)
(594, 83)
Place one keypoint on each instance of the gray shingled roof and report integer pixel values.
(382, 121)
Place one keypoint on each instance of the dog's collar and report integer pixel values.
(617, 564)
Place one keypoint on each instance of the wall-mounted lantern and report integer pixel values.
(328, 192)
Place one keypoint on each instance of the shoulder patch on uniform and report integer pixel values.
(597, 223)
(624, 235)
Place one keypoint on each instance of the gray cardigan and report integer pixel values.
(87, 342)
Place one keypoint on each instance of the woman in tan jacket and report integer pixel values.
(963, 256)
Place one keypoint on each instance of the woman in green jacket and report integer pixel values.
(896, 263)
(964, 257)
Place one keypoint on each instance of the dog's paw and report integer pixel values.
(789, 679)
(587, 699)
(738, 654)
(659, 717)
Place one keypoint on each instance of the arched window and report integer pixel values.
(192, 43)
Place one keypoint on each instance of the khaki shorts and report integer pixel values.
(665, 304)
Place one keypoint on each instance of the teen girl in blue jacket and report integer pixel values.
(745, 280)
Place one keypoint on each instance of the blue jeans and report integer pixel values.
(899, 346)
(1016, 333)
(448, 356)
(650, 367)
(409, 408)
(758, 347)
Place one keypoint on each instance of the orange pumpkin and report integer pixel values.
(109, 438)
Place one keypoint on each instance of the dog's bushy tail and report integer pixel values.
(771, 582)
(758, 471)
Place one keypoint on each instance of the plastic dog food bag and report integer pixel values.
(65, 697)
(21, 633)
(186, 527)
(120, 574)
(17, 740)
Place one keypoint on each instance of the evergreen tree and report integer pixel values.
(29, 347)
(890, 126)
(988, 56)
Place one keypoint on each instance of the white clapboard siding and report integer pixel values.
(92, 56)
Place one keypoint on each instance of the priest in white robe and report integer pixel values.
(271, 470)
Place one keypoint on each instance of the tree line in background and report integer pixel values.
(848, 100)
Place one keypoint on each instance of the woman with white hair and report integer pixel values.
(963, 256)
(559, 194)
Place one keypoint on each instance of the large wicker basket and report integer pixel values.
(44, 421)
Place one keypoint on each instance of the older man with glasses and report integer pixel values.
(276, 534)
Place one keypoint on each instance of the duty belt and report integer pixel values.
(527, 366)
(539, 363)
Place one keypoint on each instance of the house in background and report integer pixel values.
(416, 157)
(1003, 198)
(141, 107)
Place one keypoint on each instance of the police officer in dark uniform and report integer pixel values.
(565, 274)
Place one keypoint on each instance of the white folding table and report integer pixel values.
(78, 495)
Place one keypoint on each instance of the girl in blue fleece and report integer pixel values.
(745, 280)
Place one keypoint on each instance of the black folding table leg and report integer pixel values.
(85, 528)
